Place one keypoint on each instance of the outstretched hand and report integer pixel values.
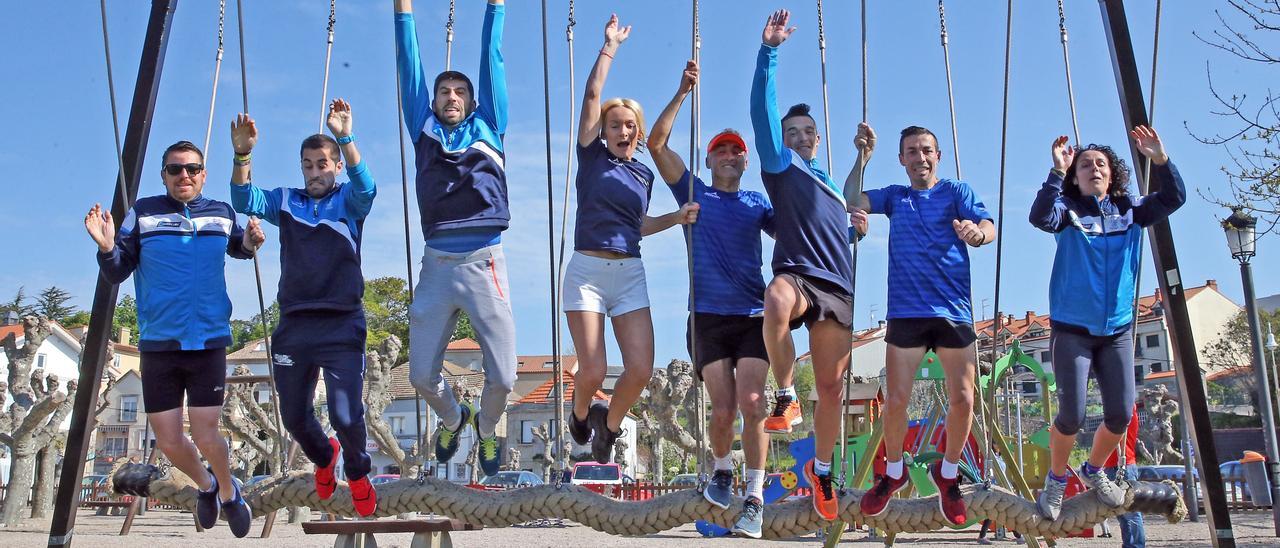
(99, 225)
(253, 234)
(339, 120)
(615, 34)
(689, 77)
(969, 232)
(1063, 154)
(244, 134)
(688, 213)
(1149, 144)
(775, 28)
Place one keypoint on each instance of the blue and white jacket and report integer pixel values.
(176, 253)
(1099, 249)
(461, 172)
(319, 240)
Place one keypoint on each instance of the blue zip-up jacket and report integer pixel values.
(810, 220)
(319, 240)
(1099, 249)
(461, 173)
(176, 254)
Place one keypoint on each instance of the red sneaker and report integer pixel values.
(325, 482)
(363, 496)
(824, 496)
(949, 500)
(876, 499)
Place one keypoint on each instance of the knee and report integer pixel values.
(778, 300)
(828, 391)
(206, 438)
(1069, 421)
(752, 407)
(421, 379)
(1117, 421)
(895, 401)
(722, 416)
(962, 396)
(591, 377)
(169, 443)
(637, 372)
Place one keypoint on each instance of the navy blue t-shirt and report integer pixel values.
(613, 198)
(726, 247)
(928, 263)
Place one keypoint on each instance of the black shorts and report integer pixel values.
(931, 333)
(731, 337)
(824, 300)
(167, 375)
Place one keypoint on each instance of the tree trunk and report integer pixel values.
(21, 478)
(46, 481)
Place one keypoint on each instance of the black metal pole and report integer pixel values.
(1264, 399)
(1190, 380)
(94, 353)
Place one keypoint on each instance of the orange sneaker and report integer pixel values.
(786, 414)
(824, 495)
(363, 496)
(325, 482)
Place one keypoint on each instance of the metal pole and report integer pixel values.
(1264, 398)
(93, 358)
(1181, 339)
(1189, 492)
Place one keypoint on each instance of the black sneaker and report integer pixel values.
(602, 438)
(720, 491)
(579, 429)
(238, 515)
(447, 441)
(751, 519)
(207, 504)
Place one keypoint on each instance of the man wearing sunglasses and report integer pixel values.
(174, 246)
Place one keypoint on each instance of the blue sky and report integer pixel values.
(61, 157)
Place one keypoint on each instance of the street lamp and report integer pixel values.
(1241, 237)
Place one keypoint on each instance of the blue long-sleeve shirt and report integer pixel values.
(176, 254)
(319, 240)
(461, 174)
(1099, 249)
(810, 220)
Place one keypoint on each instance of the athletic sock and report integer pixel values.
(724, 463)
(755, 484)
(457, 422)
(893, 469)
(950, 469)
(1057, 478)
(788, 392)
(480, 431)
(1089, 469)
(821, 468)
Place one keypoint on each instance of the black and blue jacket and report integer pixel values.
(176, 253)
(319, 240)
(1100, 249)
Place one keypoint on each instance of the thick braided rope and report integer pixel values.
(576, 503)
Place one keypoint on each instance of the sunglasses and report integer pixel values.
(177, 169)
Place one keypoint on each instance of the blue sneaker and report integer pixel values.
(490, 455)
(207, 504)
(238, 515)
(720, 490)
(751, 520)
(447, 441)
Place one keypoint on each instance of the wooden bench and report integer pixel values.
(427, 533)
(107, 507)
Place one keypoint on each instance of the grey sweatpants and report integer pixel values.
(475, 283)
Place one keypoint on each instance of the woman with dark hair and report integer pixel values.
(1098, 225)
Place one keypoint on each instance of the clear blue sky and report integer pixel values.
(61, 158)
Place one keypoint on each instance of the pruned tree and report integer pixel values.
(251, 426)
(377, 377)
(1253, 142)
(33, 420)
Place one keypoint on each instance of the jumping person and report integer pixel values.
(174, 246)
(462, 199)
(727, 301)
(1085, 203)
(605, 276)
(930, 223)
(322, 324)
(812, 265)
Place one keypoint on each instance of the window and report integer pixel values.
(115, 447)
(1030, 387)
(460, 470)
(442, 471)
(128, 408)
(1157, 367)
(1153, 341)
(526, 431)
(548, 365)
(564, 389)
(1046, 357)
(397, 425)
(1139, 374)
(40, 359)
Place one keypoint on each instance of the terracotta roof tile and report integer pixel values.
(542, 392)
(462, 345)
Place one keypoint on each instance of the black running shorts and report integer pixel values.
(167, 375)
(931, 333)
(727, 337)
(825, 300)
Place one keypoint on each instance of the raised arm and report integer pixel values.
(359, 193)
(670, 166)
(854, 197)
(117, 252)
(1048, 213)
(1158, 205)
(492, 95)
(245, 197)
(765, 119)
(415, 93)
(589, 122)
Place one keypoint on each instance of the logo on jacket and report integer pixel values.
(168, 224)
(283, 360)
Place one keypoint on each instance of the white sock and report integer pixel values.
(789, 392)
(950, 469)
(724, 463)
(484, 434)
(821, 468)
(755, 484)
(456, 422)
(893, 469)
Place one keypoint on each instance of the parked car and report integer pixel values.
(384, 478)
(1232, 471)
(594, 473)
(685, 480)
(1174, 472)
(512, 479)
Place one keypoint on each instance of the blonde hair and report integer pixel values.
(630, 104)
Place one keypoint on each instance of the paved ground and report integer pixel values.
(160, 529)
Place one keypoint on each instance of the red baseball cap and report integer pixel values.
(727, 136)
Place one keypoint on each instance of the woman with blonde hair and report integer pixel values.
(605, 277)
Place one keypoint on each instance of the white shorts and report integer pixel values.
(612, 287)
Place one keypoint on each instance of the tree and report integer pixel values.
(386, 311)
(19, 304)
(126, 316)
(1230, 356)
(243, 331)
(464, 329)
(1254, 142)
(52, 304)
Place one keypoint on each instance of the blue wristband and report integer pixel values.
(347, 139)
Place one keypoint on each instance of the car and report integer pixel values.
(1173, 472)
(384, 478)
(1232, 473)
(684, 480)
(512, 479)
(595, 473)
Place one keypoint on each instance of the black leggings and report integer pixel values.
(1110, 359)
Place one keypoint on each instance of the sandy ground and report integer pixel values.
(160, 529)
